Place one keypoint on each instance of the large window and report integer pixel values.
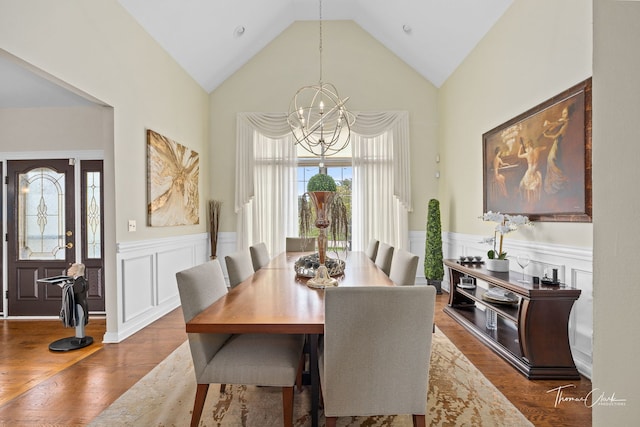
(339, 169)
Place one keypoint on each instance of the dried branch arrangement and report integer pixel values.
(214, 225)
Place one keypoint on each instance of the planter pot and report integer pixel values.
(498, 265)
(437, 284)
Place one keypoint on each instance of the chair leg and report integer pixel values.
(331, 421)
(222, 388)
(419, 421)
(287, 406)
(198, 404)
(299, 373)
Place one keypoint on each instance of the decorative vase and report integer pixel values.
(322, 199)
(497, 265)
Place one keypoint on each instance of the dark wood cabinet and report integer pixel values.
(532, 334)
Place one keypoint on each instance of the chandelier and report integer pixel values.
(319, 121)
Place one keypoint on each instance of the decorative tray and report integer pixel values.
(307, 265)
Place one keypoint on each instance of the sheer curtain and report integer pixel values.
(266, 200)
(381, 179)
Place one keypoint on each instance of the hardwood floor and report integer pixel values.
(40, 387)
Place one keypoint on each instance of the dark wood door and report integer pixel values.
(41, 237)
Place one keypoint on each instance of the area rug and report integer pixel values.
(459, 395)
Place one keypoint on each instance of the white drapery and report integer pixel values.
(381, 179)
(266, 199)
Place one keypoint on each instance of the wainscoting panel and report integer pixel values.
(146, 287)
(168, 263)
(137, 300)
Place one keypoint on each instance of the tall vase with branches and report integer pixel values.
(330, 214)
(214, 224)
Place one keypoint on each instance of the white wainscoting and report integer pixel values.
(146, 284)
(575, 269)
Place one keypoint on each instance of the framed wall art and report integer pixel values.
(539, 163)
(172, 172)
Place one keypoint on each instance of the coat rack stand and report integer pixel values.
(74, 312)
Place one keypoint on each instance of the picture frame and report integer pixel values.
(172, 178)
(538, 164)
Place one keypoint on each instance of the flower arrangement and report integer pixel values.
(506, 224)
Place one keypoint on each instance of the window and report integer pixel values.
(339, 169)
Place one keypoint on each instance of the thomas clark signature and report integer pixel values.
(596, 397)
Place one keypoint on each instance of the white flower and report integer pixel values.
(505, 224)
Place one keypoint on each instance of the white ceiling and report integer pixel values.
(201, 34)
(202, 37)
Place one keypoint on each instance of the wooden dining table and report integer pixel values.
(274, 300)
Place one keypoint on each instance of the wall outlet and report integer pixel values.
(132, 225)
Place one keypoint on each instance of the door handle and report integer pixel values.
(69, 245)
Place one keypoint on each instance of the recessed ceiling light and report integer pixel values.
(406, 28)
(238, 31)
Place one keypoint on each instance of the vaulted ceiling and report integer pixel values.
(212, 39)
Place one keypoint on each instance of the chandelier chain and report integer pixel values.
(320, 44)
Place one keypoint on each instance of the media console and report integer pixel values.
(531, 334)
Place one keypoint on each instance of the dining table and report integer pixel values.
(276, 300)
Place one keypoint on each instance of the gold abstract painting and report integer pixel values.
(173, 182)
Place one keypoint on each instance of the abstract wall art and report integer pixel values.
(173, 171)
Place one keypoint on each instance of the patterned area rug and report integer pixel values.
(459, 395)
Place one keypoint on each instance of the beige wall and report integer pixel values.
(50, 129)
(370, 75)
(616, 150)
(535, 51)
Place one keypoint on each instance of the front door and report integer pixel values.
(40, 233)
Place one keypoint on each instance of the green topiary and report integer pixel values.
(433, 266)
(321, 182)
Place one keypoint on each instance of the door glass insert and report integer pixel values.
(41, 215)
(93, 208)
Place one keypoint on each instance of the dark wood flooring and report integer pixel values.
(40, 387)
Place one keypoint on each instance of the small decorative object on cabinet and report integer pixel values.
(505, 224)
(532, 319)
(498, 265)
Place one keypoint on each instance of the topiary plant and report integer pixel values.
(433, 266)
(321, 182)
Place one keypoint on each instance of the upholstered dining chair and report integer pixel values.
(259, 255)
(372, 249)
(239, 267)
(384, 256)
(251, 359)
(404, 266)
(300, 244)
(385, 375)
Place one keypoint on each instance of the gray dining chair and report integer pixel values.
(388, 375)
(248, 359)
(239, 267)
(384, 257)
(404, 266)
(259, 255)
(372, 249)
(300, 244)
